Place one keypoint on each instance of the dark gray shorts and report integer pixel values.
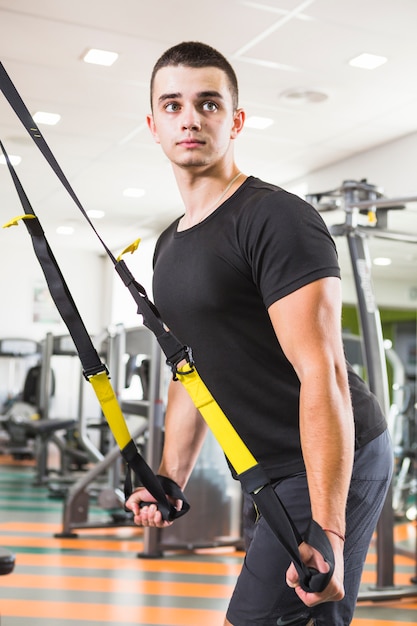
(262, 597)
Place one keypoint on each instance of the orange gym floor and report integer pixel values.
(97, 579)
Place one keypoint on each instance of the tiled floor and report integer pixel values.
(96, 579)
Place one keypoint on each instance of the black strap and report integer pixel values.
(88, 355)
(256, 483)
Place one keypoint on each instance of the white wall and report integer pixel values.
(21, 274)
(391, 166)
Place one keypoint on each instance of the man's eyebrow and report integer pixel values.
(201, 94)
(210, 94)
(169, 96)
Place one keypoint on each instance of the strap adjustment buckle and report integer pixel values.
(186, 354)
(92, 371)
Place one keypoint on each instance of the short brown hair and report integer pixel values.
(197, 54)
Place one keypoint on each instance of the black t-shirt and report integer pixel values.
(213, 284)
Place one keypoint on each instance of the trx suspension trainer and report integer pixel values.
(179, 357)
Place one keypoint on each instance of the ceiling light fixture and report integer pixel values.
(303, 96)
(65, 230)
(96, 214)
(368, 61)
(258, 122)
(382, 261)
(42, 117)
(13, 158)
(100, 57)
(134, 192)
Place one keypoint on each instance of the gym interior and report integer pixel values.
(331, 97)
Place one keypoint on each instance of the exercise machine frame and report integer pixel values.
(356, 198)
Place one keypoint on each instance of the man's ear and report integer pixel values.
(238, 122)
(152, 127)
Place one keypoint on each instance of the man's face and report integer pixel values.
(193, 117)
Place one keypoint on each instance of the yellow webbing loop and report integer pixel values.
(233, 446)
(111, 408)
(130, 248)
(15, 220)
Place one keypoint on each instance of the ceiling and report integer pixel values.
(102, 142)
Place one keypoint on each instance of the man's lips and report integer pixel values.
(190, 143)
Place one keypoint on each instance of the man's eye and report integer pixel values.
(172, 107)
(210, 106)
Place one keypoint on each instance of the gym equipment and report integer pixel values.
(403, 428)
(19, 367)
(103, 482)
(401, 422)
(356, 197)
(7, 562)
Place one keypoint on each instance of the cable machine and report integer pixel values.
(104, 481)
(355, 198)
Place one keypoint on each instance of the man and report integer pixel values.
(248, 277)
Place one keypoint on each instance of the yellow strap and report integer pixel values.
(233, 446)
(15, 220)
(111, 408)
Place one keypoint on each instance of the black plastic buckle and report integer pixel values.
(88, 373)
(184, 354)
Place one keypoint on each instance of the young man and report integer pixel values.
(249, 278)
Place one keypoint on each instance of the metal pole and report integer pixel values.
(378, 384)
(45, 376)
(381, 203)
(152, 536)
(376, 368)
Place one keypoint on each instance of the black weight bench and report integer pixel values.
(44, 431)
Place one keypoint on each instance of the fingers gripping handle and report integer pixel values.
(312, 580)
(275, 514)
(171, 489)
(158, 486)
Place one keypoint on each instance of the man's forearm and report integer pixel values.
(185, 431)
(327, 439)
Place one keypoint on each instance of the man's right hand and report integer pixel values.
(146, 515)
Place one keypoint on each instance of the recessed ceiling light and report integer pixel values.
(368, 61)
(95, 214)
(134, 192)
(42, 117)
(13, 158)
(303, 96)
(382, 261)
(100, 57)
(260, 123)
(65, 230)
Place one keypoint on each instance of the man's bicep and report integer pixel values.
(307, 322)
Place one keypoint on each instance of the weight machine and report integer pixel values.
(355, 198)
(19, 369)
(127, 351)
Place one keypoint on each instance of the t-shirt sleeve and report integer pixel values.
(288, 246)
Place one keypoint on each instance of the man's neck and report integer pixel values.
(203, 194)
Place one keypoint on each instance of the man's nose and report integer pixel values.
(191, 120)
